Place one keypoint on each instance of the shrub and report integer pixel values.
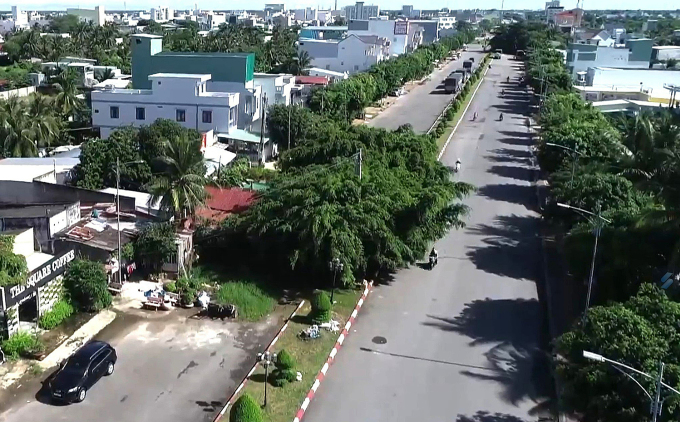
(55, 316)
(321, 308)
(281, 377)
(86, 286)
(22, 344)
(245, 410)
(170, 287)
(187, 288)
(251, 301)
(285, 360)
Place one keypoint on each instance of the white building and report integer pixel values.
(446, 22)
(162, 14)
(665, 52)
(646, 81)
(277, 88)
(552, 8)
(353, 54)
(331, 75)
(183, 98)
(403, 36)
(209, 21)
(96, 15)
(361, 11)
(598, 37)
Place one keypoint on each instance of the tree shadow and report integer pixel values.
(513, 172)
(511, 247)
(508, 155)
(515, 134)
(515, 141)
(518, 361)
(512, 193)
(483, 416)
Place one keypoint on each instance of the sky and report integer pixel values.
(385, 4)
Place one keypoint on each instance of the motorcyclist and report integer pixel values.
(457, 165)
(501, 118)
(474, 116)
(434, 255)
(507, 79)
(502, 92)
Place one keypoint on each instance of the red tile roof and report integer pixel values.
(311, 80)
(223, 202)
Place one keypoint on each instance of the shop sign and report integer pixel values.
(38, 278)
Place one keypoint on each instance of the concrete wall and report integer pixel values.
(19, 92)
(663, 54)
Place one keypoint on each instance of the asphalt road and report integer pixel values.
(169, 368)
(464, 341)
(429, 99)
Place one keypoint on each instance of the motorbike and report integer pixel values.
(501, 118)
(432, 262)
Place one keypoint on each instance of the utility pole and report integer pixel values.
(360, 162)
(656, 405)
(120, 259)
(289, 111)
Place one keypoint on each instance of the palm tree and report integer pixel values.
(45, 124)
(180, 189)
(67, 100)
(17, 132)
(301, 62)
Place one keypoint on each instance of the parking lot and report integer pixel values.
(170, 368)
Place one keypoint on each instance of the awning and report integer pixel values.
(242, 135)
(216, 157)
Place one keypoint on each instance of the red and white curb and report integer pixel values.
(243, 382)
(331, 356)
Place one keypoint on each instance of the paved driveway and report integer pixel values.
(423, 104)
(170, 368)
(462, 342)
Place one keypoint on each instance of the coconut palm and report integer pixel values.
(180, 189)
(17, 132)
(67, 100)
(45, 123)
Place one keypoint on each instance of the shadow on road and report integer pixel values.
(510, 244)
(519, 363)
(513, 172)
(515, 194)
(482, 416)
(509, 155)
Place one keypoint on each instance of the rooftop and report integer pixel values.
(224, 202)
(95, 232)
(311, 80)
(326, 28)
(203, 77)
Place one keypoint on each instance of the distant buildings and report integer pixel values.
(361, 11)
(353, 54)
(551, 9)
(162, 14)
(635, 54)
(96, 15)
(403, 35)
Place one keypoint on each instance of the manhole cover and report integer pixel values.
(379, 340)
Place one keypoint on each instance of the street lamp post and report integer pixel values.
(598, 227)
(335, 265)
(574, 153)
(266, 359)
(656, 401)
(120, 260)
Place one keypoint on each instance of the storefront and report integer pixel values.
(38, 295)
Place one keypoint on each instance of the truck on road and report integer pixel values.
(453, 82)
(467, 65)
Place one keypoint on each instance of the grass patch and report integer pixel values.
(456, 117)
(251, 301)
(252, 298)
(309, 355)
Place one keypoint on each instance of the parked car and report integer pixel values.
(496, 56)
(81, 371)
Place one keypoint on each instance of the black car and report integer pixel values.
(79, 373)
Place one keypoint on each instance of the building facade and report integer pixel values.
(183, 98)
(96, 15)
(356, 53)
(362, 11)
(276, 87)
(403, 36)
(635, 54)
(229, 72)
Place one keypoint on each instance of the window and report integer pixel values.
(207, 116)
(114, 112)
(356, 67)
(328, 67)
(141, 113)
(180, 115)
(232, 116)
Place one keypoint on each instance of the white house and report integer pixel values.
(446, 22)
(96, 15)
(356, 53)
(403, 36)
(183, 98)
(599, 37)
(276, 87)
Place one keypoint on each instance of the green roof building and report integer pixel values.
(230, 72)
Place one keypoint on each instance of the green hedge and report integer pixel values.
(321, 308)
(55, 316)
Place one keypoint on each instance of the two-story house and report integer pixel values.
(184, 98)
(356, 53)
